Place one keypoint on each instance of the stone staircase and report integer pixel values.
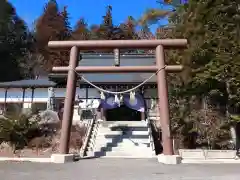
(127, 139)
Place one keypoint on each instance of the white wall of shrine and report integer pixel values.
(41, 95)
(17, 95)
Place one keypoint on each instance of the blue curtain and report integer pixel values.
(109, 102)
(137, 104)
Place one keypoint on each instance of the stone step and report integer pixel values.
(116, 137)
(119, 128)
(123, 154)
(123, 149)
(111, 141)
(103, 155)
(119, 136)
(121, 140)
(113, 145)
(139, 150)
(104, 142)
(104, 133)
(122, 135)
(119, 148)
(121, 144)
(123, 123)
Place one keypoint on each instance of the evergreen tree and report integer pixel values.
(105, 29)
(108, 31)
(129, 28)
(66, 34)
(153, 15)
(145, 33)
(52, 25)
(94, 32)
(211, 61)
(81, 31)
(211, 78)
(14, 43)
(215, 57)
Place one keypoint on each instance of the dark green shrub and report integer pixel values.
(18, 130)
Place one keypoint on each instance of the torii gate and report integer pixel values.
(73, 67)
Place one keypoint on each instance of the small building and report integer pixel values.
(49, 92)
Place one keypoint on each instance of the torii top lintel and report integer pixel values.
(121, 44)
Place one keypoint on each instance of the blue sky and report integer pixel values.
(91, 10)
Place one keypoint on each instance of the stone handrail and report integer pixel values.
(94, 134)
(150, 134)
(87, 136)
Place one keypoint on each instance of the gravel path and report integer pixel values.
(117, 169)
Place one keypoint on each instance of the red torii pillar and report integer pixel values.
(118, 44)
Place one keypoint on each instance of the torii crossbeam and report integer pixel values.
(163, 103)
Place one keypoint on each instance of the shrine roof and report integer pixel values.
(30, 83)
(108, 60)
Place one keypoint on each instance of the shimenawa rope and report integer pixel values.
(119, 92)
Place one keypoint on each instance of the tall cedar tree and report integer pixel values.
(66, 34)
(52, 25)
(211, 75)
(108, 31)
(213, 53)
(14, 43)
(145, 33)
(81, 31)
(212, 65)
(94, 32)
(106, 28)
(129, 28)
